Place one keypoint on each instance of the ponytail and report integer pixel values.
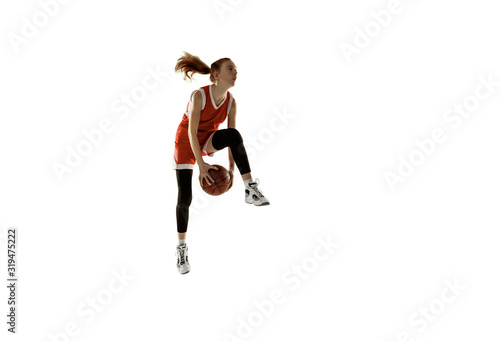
(190, 64)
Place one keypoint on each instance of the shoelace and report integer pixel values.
(254, 185)
(180, 252)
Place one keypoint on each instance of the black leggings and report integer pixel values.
(222, 138)
(184, 198)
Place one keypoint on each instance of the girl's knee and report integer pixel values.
(235, 135)
(184, 200)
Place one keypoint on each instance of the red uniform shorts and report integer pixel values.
(183, 154)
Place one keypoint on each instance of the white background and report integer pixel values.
(323, 171)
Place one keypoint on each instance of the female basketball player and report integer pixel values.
(198, 135)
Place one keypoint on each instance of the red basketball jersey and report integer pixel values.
(211, 116)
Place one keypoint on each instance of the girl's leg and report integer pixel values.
(231, 138)
(184, 197)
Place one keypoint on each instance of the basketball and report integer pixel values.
(221, 183)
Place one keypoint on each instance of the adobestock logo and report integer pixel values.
(94, 305)
(293, 277)
(223, 6)
(123, 106)
(429, 313)
(381, 19)
(455, 116)
(30, 28)
(266, 135)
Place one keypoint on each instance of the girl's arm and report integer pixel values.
(194, 121)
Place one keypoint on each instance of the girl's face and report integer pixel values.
(228, 73)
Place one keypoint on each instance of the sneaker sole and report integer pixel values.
(252, 202)
(264, 204)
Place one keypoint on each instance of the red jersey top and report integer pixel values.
(211, 117)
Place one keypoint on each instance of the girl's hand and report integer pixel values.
(231, 176)
(204, 168)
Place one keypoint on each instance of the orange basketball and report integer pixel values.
(222, 181)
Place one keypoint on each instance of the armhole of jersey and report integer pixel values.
(202, 100)
(230, 103)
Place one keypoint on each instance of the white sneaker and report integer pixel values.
(254, 196)
(182, 259)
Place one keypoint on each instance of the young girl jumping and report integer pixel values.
(198, 135)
